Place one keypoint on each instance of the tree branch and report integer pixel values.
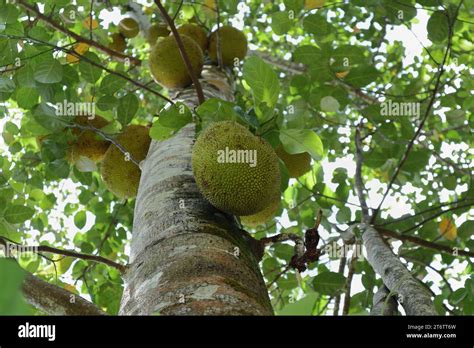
(359, 184)
(182, 51)
(47, 249)
(347, 292)
(114, 54)
(337, 302)
(419, 241)
(415, 299)
(54, 300)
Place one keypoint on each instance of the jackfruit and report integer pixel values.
(232, 42)
(196, 33)
(263, 216)
(128, 27)
(236, 171)
(297, 164)
(122, 177)
(87, 143)
(156, 31)
(118, 42)
(167, 66)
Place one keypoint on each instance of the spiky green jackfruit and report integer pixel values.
(87, 143)
(122, 176)
(236, 171)
(196, 33)
(156, 31)
(232, 43)
(167, 65)
(128, 27)
(262, 216)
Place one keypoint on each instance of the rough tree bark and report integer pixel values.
(415, 299)
(188, 258)
(384, 303)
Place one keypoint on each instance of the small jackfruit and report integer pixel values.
(232, 43)
(236, 171)
(168, 67)
(128, 27)
(297, 164)
(156, 31)
(262, 216)
(196, 33)
(118, 42)
(87, 143)
(122, 177)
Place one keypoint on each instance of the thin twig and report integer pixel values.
(427, 244)
(71, 253)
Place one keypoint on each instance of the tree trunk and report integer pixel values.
(188, 258)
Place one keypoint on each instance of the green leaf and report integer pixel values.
(176, 116)
(49, 71)
(80, 219)
(58, 169)
(8, 14)
(27, 97)
(215, 110)
(329, 283)
(438, 26)
(316, 24)
(9, 231)
(90, 72)
(127, 108)
(301, 307)
(46, 116)
(11, 296)
(308, 55)
(302, 140)
(466, 230)
(160, 132)
(361, 76)
(294, 5)
(16, 213)
(262, 80)
(281, 23)
(107, 102)
(417, 160)
(25, 77)
(6, 85)
(64, 264)
(111, 84)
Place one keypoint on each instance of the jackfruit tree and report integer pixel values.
(245, 158)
